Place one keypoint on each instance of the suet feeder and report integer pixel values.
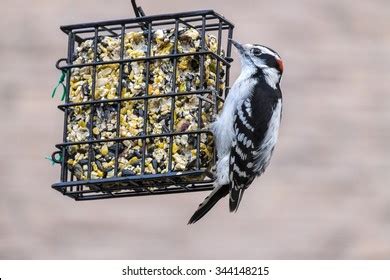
(139, 97)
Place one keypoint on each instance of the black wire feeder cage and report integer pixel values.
(139, 97)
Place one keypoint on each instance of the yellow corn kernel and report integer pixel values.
(161, 145)
(193, 152)
(104, 150)
(150, 89)
(82, 123)
(133, 160)
(175, 148)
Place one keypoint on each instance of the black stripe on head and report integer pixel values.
(257, 45)
(270, 60)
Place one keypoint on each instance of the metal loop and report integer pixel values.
(54, 157)
(59, 62)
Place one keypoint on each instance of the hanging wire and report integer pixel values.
(139, 12)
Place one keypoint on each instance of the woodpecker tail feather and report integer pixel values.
(235, 199)
(218, 193)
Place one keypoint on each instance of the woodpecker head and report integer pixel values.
(262, 58)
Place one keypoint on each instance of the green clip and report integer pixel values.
(60, 82)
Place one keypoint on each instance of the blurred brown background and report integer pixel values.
(326, 194)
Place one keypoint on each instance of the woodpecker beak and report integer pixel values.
(238, 46)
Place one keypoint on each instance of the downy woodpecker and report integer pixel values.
(247, 129)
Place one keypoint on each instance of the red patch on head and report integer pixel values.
(280, 65)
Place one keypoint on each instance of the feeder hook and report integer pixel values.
(139, 12)
(137, 9)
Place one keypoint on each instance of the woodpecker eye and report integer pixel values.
(256, 52)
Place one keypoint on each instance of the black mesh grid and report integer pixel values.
(199, 178)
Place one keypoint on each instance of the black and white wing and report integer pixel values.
(256, 124)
